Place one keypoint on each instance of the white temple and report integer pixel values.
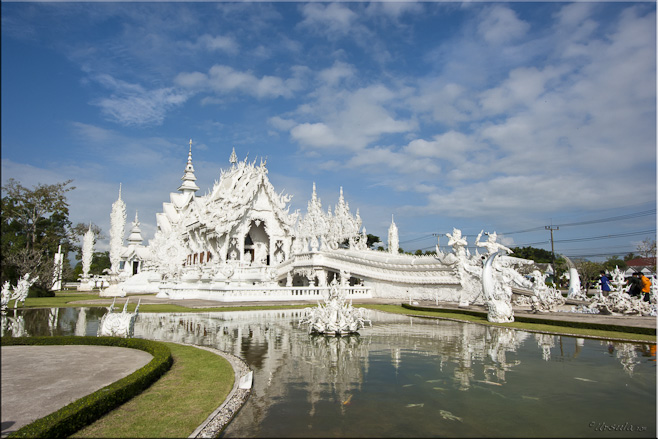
(240, 242)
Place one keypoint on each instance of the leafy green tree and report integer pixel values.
(373, 240)
(588, 270)
(538, 255)
(34, 223)
(611, 263)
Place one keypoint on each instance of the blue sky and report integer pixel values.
(506, 117)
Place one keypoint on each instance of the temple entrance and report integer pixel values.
(257, 244)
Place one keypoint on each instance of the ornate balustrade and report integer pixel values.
(255, 294)
(384, 267)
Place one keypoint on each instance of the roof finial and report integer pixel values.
(119, 191)
(189, 178)
(234, 158)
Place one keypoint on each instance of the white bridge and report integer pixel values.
(306, 276)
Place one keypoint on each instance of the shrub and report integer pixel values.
(36, 291)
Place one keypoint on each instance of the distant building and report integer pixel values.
(647, 266)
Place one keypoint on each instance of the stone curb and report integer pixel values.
(218, 419)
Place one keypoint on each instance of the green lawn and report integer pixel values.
(538, 327)
(174, 406)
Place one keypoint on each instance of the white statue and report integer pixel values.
(335, 316)
(618, 302)
(490, 244)
(18, 293)
(497, 294)
(118, 324)
(117, 231)
(545, 298)
(467, 269)
(575, 288)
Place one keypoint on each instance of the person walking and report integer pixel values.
(605, 284)
(646, 287)
(635, 285)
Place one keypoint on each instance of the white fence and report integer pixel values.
(256, 294)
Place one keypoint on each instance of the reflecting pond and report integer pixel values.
(404, 376)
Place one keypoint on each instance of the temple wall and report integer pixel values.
(402, 291)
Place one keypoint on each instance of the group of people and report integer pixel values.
(639, 285)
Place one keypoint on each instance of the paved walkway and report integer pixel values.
(37, 380)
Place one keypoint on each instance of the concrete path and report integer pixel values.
(38, 380)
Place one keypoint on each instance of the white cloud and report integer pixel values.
(501, 24)
(337, 72)
(222, 43)
(316, 135)
(131, 104)
(332, 19)
(225, 79)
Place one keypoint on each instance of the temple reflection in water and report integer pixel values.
(399, 364)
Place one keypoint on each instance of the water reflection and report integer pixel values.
(404, 376)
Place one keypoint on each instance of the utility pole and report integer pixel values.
(551, 228)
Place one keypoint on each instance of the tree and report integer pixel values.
(34, 224)
(373, 240)
(611, 263)
(538, 255)
(589, 271)
(647, 248)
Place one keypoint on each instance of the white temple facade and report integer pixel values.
(240, 242)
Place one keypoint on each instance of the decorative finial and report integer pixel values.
(234, 158)
(119, 191)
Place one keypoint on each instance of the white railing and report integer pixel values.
(256, 294)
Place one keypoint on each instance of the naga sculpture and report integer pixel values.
(118, 324)
(497, 293)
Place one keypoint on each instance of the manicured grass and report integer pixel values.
(538, 327)
(62, 299)
(197, 383)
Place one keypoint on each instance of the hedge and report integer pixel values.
(86, 410)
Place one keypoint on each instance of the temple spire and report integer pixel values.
(233, 159)
(188, 178)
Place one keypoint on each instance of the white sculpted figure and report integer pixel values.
(467, 269)
(335, 316)
(575, 289)
(497, 294)
(18, 293)
(545, 299)
(118, 324)
(490, 244)
(618, 301)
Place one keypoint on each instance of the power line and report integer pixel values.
(594, 221)
(618, 235)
